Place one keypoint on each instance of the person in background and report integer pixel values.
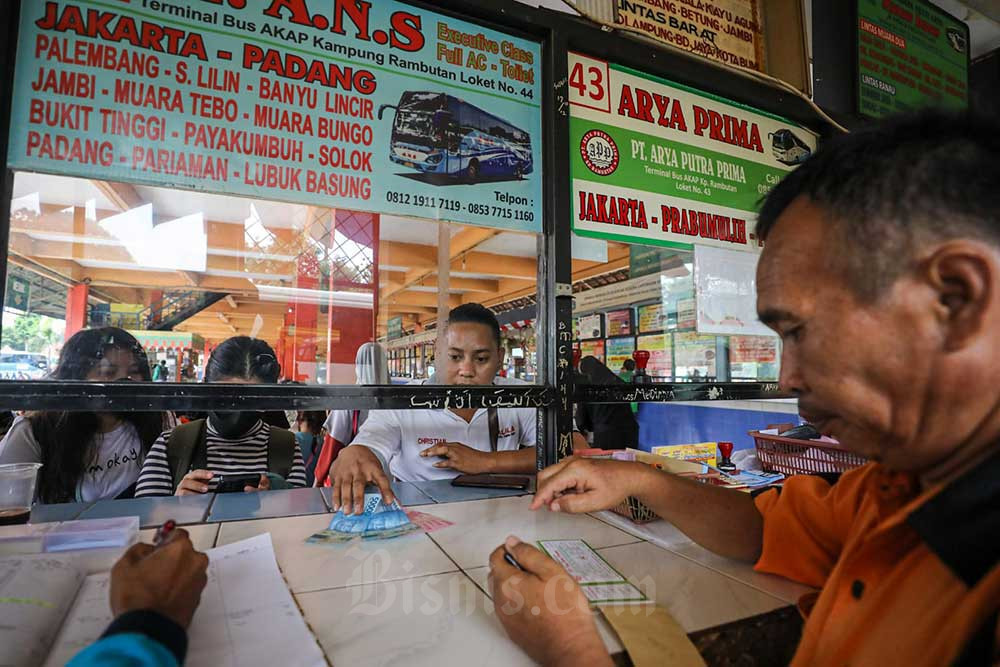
(370, 368)
(154, 594)
(419, 445)
(309, 435)
(291, 416)
(88, 456)
(627, 370)
(191, 458)
(881, 274)
(611, 425)
(160, 372)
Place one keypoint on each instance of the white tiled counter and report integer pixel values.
(423, 599)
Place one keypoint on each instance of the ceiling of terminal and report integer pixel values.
(64, 230)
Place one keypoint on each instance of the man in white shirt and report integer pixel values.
(438, 444)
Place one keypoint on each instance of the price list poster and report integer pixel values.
(379, 107)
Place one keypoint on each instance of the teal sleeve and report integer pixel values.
(125, 650)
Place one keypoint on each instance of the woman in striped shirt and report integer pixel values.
(229, 443)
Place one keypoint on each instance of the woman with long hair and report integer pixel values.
(194, 457)
(88, 456)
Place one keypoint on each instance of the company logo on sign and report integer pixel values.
(599, 151)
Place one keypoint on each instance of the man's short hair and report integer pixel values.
(476, 313)
(891, 188)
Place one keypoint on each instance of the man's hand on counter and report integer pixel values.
(356, 466)
(541, 594)
(460, 457)
(725, 521)
(579, 485)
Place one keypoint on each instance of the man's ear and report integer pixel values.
(963, 274)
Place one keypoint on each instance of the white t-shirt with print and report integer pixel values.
(398, 436)
(114, 467)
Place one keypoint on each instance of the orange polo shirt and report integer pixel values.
(908, 577)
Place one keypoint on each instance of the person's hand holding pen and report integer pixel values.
(167, 578)
(532, 591)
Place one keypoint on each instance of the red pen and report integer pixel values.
(163, 531)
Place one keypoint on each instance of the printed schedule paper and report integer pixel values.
(246, 615)
(600, 582)
(49, 611)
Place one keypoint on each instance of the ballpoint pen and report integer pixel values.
(163, 532)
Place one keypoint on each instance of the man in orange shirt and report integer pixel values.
(881, 274)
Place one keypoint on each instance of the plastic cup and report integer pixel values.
(17, 490)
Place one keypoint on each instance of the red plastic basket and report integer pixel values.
(792, 457)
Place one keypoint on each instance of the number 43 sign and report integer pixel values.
(588, 83)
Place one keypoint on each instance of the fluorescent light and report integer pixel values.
(317, 296)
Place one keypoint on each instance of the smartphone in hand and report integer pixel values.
(236, 483)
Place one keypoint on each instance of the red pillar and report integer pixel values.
(305, 317)
(154, 297)
(286, 345)
(76, 309)
(354, 326)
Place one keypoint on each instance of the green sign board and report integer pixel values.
(657, 163)
(910, 54)
(394, 328)
(18, 293)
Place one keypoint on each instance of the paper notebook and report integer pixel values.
(49, 611)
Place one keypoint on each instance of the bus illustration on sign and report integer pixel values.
(788, 148)
(439, 134)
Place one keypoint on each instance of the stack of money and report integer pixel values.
(380, 520)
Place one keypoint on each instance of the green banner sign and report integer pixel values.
(910, 54)
(394, 328)
(18, 293)
(658, 163)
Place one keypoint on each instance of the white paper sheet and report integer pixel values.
(725, 283)
(246, 616)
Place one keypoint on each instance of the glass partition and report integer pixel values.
(645, 302)
(184, 271)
